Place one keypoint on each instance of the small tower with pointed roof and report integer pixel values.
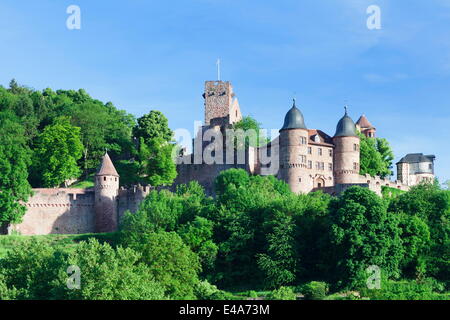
(365, 127)
(346, 151)
(106, 192)
(293, 151)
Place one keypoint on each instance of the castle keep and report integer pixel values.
(306, 159)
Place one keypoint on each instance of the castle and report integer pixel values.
(306, 159)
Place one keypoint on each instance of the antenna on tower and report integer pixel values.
(218, 69)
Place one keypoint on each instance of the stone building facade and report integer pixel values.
(307, 159)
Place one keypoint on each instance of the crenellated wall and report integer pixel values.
(130, 199)
(72, 211)
(62, 211)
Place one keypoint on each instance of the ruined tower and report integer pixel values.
(221, 105)
(106, 192)
(293, 151)
(346, 152)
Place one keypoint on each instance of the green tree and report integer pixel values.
(102, 127)
(363, 234)
(30, 270)
(248, 123)
(35, 270)
(416, 243)
(376, 157)
(157, 162)
(279, 261)
(431, 205)
(198, 235)
(237, 218)
(387, 156)
(172, 264)
(156, 150)
(14, 162)
(108, 274)
(153, 125)
(313, 238)
(57, 151)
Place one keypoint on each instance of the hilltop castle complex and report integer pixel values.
(306, 159)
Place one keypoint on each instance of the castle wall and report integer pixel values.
(58, 211)
(130, 199)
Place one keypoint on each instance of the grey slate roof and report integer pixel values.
(345, 127)
(294, 119)
(417, 158)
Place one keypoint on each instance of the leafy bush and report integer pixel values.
(427, 289)
(314, 290)
(206, 291)
(108, 274)
(35, 270)
(283, 293)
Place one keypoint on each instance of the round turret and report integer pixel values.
(346, 152)
(293, 151)
(106, 192)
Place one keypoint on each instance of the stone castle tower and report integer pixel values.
(346, 152)
(106, 192)
(293, 151)
(221, 105)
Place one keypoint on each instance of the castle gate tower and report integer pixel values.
(293, 152)
(106, 192)
(346, 152)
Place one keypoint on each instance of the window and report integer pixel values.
(330, 152)
(303, 159)
(355, 147)
(320, 151)
(330, 167)
(309, 164)
(302, 140)
(320, 165)
(355, 166)
(309, 150)
(104, 178)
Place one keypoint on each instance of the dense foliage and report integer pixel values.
(376, 156)
(254, 235)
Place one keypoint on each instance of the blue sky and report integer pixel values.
(144, 55)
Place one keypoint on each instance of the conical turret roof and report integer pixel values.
(107, 168)
(363, 122)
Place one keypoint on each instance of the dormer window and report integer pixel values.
(317, 138)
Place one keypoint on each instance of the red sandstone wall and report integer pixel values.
(60, 211)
